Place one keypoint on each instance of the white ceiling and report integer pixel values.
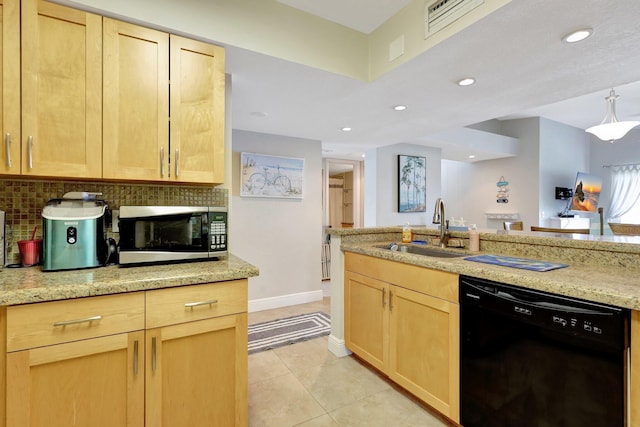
(516, 54)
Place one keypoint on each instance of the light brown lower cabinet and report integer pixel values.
(168, 357)
(404, 321)
(82, 383)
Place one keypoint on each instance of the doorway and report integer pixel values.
(341, 202)
(342, 193)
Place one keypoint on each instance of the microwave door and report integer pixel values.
(142, 234)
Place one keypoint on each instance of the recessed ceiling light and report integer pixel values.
(467, 81)
(471, 156)
(577, 35)
(346, 129)
(400, 107)
(260, 114)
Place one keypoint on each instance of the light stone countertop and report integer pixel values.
(600, 270)
(31, 284)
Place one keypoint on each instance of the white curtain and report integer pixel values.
(625, 189)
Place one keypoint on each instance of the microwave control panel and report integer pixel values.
(218, 230)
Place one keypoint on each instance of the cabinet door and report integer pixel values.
(197, 373)
(197, 111)
(61, 91)
(95, 382)
(424, 348)
(10, 86)
(366, 322)
(136, 102)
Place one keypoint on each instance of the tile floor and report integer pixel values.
(305, 385)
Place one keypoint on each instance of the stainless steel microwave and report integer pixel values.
(161, 234)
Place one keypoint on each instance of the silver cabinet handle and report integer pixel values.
(135, 357)
(384, 298)
(7, 143)
(177, 162)
(161, 161)
(153, 354)
(76, 321)
(30, 146)
(196, 304)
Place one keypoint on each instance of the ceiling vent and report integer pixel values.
(440, 13)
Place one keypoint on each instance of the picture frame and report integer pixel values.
(263, 175)
(412, 183)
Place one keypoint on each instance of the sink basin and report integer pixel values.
(423, 250)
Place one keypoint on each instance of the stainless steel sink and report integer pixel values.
(423, 250)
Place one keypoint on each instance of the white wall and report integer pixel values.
(564, 151)
(381, 185)
(282, 237)
(549, 156)
(470, 190)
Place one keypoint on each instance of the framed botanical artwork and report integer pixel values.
(262, 175)
(412, 183)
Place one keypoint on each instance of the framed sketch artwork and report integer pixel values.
(412, 183)
(262, 175)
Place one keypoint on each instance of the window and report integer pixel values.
(625, 194)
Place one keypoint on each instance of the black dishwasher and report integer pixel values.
(534, 359)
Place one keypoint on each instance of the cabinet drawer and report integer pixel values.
(188, 303)
(47, 323)
(440, 284)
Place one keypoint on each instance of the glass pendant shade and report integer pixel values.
(611, 129)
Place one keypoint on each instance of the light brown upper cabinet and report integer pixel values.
(10, 87)
(61, 91)
(197, 111)
(137, 125)
(136, 102)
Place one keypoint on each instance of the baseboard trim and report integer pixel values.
(337, 346)
(284, 300)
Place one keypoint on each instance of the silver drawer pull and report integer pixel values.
(30, 148)
(76, 321)
(196, 304)
(135, 357)
(162, 161)
(177, 162)
(154, 361)
(7, 142)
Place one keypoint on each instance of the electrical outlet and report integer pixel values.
(115, 221)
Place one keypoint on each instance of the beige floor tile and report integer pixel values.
(292, 310)
(321, 421)
(383, 409)
(306, 354)
(281, 402)
(268, 315)
(265, 365)
(297, 385)
(341, 382)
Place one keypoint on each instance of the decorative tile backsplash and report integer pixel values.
(23, 201)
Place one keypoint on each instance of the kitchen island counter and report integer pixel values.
(608, 284)
(602, 269)
(31, 284)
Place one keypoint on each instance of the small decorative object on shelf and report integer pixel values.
(503, 190)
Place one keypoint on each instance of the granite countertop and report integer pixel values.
(608, 284)
(31, 284)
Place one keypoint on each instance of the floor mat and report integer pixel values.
(281, 332)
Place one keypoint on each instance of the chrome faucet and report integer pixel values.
(439, 218)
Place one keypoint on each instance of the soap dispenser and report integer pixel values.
(407, 235)
(474, 239)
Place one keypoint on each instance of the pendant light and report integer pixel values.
(611, 129)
